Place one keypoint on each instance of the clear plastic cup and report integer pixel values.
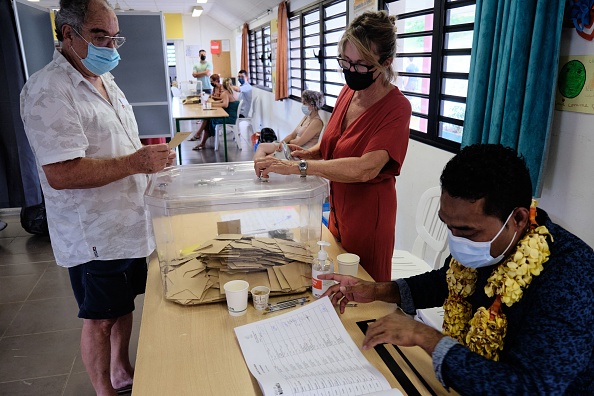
(260, 296)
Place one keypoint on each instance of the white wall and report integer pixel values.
(568, 189)
(199, 31)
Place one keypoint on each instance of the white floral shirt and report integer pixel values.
(65, 118)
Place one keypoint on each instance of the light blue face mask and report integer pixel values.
(99, 60)
(305, 109)
(473, 254)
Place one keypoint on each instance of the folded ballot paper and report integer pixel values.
(308, 352)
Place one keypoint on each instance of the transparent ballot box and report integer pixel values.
(219, 222)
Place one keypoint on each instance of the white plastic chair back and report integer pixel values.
(176, 92)
(431, 241)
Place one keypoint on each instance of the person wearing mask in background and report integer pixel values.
(230, 102)
(307, 133)
(363, 146)
(93, 172)
(202, 71)
(246, 93)
(217, 88)
(517, 290)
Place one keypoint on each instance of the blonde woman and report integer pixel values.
(229, 101)
(363, 146)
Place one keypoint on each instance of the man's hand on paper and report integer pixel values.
(401, 330)
(349, 289)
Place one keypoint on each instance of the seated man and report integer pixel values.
(518, 289)
(246, 93)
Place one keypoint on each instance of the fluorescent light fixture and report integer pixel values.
(197, 11)
(34, 1)
(201, 1)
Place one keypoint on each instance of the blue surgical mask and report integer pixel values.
(473, 254)
(241, 80)
(305, 109)
(99, 60)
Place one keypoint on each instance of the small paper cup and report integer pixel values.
(236, 292)
(260, 296)
(348, 264)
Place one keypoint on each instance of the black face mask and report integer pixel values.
(359, 81)
(202, 57)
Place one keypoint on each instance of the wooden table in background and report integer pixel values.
(181, 112)
(192, 350)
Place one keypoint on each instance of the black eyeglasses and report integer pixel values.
(346, 65)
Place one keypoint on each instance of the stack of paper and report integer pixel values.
(308, 352)
(195, 278)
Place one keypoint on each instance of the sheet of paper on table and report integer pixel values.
(308, 350)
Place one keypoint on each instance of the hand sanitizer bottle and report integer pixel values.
(323, 265)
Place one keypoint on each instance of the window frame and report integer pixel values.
(259, 55)
(437, 75)
(321, 56)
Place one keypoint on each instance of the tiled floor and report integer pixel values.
(39, 329)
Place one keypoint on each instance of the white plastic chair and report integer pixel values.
(247, 123)
(429, 250)
(175, 91)
(233, 128)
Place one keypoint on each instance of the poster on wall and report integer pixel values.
(360, 6)
(575, 84)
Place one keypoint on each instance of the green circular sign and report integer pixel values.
(572, 78)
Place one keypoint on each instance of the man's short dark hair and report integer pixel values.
(490, 171)
(202, 51)
(242, 72)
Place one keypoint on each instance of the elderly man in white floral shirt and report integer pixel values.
(93, 171)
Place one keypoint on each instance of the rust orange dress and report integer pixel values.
(363, 215)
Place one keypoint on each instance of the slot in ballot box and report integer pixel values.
(219, 222)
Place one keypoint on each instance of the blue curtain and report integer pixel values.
(513, 74)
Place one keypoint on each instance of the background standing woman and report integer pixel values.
(363, 146)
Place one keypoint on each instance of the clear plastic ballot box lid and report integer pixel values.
(194, 204)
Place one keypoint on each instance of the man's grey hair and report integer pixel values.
(73, 13)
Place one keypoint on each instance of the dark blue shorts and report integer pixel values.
(106, 289)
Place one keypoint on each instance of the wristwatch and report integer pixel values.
(303, 167)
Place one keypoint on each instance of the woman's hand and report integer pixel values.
(264, 166)
(349, 289)
(301, 153)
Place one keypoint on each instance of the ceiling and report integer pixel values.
(229, 13)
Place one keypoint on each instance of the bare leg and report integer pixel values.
(122, 372)
(95, 348)
(200, 133)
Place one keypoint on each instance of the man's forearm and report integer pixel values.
(388, 292)
(81, 173)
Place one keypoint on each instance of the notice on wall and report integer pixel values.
(360, 6)
(575, 84)
(192, 51)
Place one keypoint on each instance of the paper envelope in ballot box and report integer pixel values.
(218, 222)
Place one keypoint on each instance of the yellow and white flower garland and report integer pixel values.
(485, 332)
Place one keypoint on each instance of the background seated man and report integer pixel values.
(246, 93)
(307, 133)
(518, 290)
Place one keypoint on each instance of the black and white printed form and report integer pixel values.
(308, 352)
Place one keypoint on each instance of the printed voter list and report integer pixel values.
(308, 352)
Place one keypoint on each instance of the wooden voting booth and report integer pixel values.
(141, 74)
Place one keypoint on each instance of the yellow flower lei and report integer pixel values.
(485, 332)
